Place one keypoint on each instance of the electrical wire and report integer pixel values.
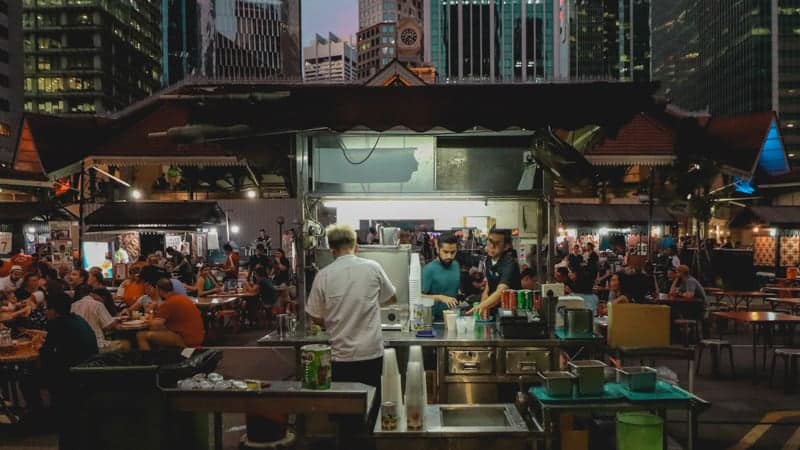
(343, 148)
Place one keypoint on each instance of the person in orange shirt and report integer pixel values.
(177, 322)
(132, 288)
(231, 266)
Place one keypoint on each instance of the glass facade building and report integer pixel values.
(10, 75)
(731, 57)
(90, 56)
(510, 40)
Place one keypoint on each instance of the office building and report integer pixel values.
(329, 59)
(10, 75)
(610, 40)
(90, 56)
(512, 40)
(389, 29)
(250, 39)
(733, 58)
(179, 40)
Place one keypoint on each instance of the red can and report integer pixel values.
(512, 301)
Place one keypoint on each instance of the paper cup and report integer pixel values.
(390, 362)
(450, 321)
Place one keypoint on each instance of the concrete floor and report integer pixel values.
(769, 418)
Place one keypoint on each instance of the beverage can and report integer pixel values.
(316, 362)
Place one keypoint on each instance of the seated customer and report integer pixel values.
(78, 283)
(30, 298)
(177, 323)
(263, 293)
(132, 288)
(93, 311)
(70, 341)
(206, 283)
(99, 288)
(687, 286)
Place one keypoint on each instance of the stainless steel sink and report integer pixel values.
(474, 416)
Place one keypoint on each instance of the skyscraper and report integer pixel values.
(250, 39)
(610, 40)
(494, 40)
(731, 58)
(10, 75)
(180, 37)
(389, 29)
(329, 59)
(90, 56)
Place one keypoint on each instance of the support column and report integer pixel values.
(301, 185)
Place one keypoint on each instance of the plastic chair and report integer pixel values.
(790, 356)
(716, 346)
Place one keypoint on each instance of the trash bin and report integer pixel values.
(639, 431)
(121, 408)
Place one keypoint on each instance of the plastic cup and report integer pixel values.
(450, 321)
(470, 323)
(390, 362)
(415, 354)
(461, 326)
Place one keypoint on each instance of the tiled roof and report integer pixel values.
(643, 135)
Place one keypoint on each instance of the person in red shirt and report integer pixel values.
(177, 322)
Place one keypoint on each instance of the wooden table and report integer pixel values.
(783, 290)
(792, 302)
(745, 297)
(216, 301)
(762, 323)
(14, 366)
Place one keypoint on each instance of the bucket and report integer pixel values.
(639, 431)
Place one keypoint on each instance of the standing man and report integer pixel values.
(346, 297)
(231, 266)
(502, 270)
(441, 278)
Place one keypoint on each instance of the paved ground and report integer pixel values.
(765, 417)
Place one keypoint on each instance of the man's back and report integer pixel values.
(348, 294)
(182, 316)
(95, 314)
(70, 340)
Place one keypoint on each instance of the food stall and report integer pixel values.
(36, 228)
(140, 228)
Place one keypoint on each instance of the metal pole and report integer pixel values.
(81, 202)
(650, 216)
(547, 188)
(302, 174)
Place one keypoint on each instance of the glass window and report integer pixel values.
(28, 106)
(52, 106)
(50, 84)
(3, 55)
(28, 20)
(83, 108)
(30, 63)
(80, 62)
(28, 84)
(80, 84)
(45, 42)
(5, 129)
(47, 63)
(47, 20)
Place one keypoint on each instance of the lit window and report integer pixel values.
(5, 129)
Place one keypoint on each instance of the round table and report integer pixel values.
(15, 366)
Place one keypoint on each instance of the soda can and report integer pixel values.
(512, 301)
(316, 361)
(528, 299)
(389, 416)
(521, 301)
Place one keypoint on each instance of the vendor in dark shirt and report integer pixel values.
(502, 270)
(259, 259)
(261, 294)
(282, 269)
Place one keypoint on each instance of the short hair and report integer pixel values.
(97, 276)
(83, 274)
(448, 239)
(151, 275)
(59, 302)
(95, 269)
(227, 248)
(100, 292)
(341, 237)
(683, 269)
(164, 284)
(563, 271)
(528, 273)
(502, 232)
(28, 276)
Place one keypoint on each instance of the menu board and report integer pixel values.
(5, 243)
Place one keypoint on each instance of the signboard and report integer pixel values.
(173, 240)
(5, 243)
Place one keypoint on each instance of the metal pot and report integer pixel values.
(578, 322)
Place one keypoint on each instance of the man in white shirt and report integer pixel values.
(13, 281)
(346, 297)
(94, 312)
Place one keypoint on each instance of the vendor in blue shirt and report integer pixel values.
(441, 278)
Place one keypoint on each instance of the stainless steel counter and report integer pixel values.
(483, 335)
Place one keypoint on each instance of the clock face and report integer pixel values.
(408, 37)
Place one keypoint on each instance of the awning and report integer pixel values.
(767, 215)
(618, 214)
(155, 215)
(21, 212)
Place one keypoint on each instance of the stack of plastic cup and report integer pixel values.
(391, 388)
(415, 407)
(450, 321)
(415, 355)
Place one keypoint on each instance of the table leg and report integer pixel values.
(755, 347)
(217, 431)
(691, 431)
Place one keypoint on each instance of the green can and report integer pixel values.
(524, 299)
(316, 361)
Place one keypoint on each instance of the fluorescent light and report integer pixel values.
(252, 193)
(136, 194)
(234, 229)
(31, 230)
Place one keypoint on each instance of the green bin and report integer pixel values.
(639, 431)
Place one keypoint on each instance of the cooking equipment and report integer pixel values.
(522, 326)
(638, 379)
(391, 319)
(557, 383)
(590, 375)
(578, 322)
(471, 362)
(527, 361)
